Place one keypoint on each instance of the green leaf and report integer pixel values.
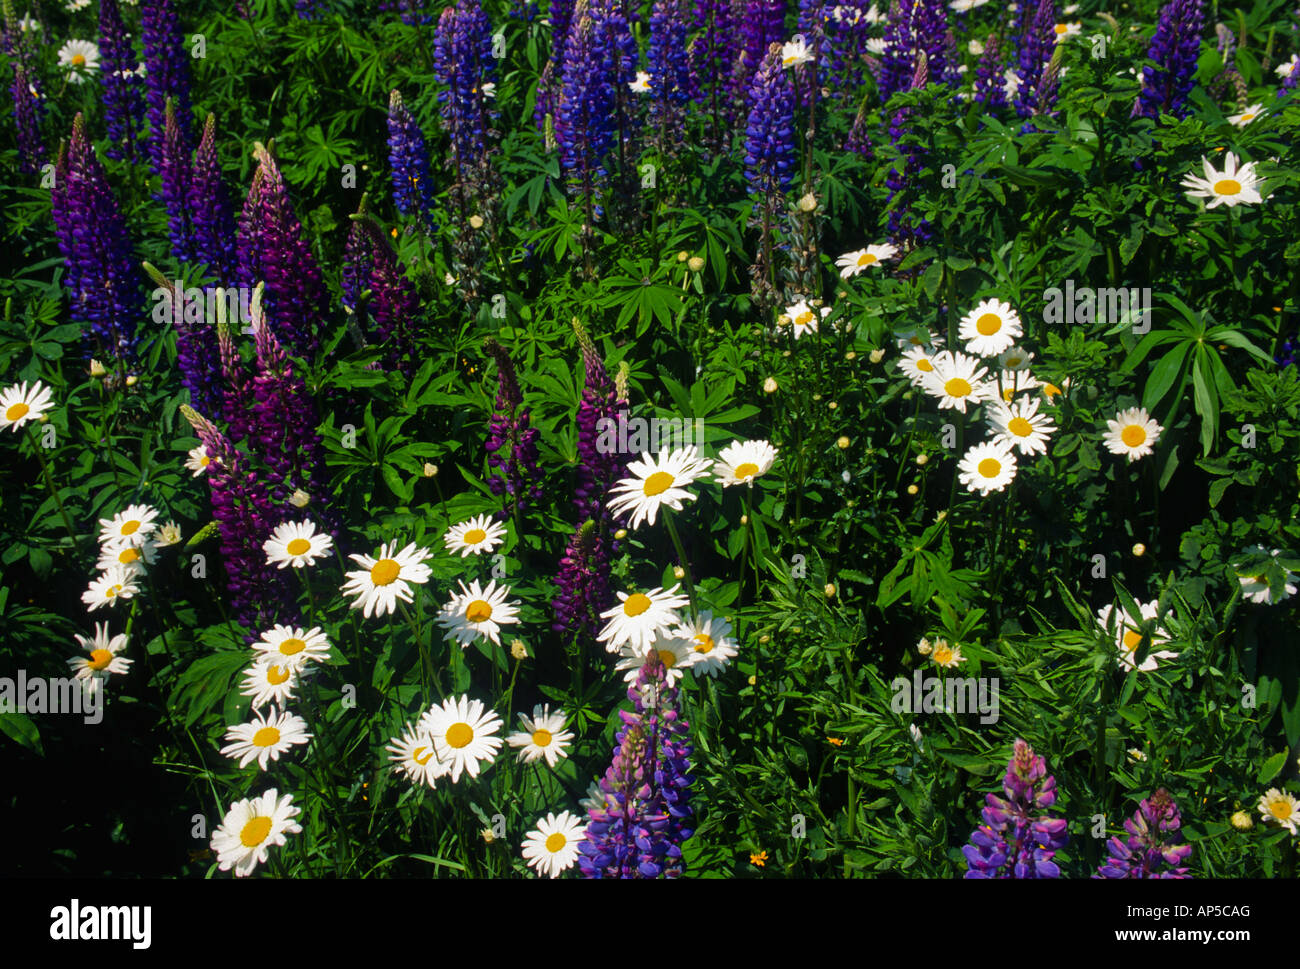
(20, 728)
(1163, 376)
(1272, 767)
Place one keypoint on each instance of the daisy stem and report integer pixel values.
(681, 556)
(752, 540)
(49, 483)
(907, 448)
(306, 585)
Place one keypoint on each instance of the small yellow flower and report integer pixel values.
(621, 534)
(744, 519)
(829, 590)
(1139, 550)
(877, 355)
(679, 572)
(476, 222)
(759, 859)
(752, 679)
(912, 489)
(843, 443)
(835, 741)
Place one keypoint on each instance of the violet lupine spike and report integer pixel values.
(1018, 839)
(123, 87)
(915, 27)
(599, 412)
(237, 391)
(990, 85)
(582, 584)
(561, 17)
(672, 84)
(358, 258)
(167, 75)
(713, 55)
(394, 306)
(408, 157)
(175, 192)
(1175, 48)
(198, 354)
(584, 129)
(639, 831)
(514, 473)
(1151, 849)
(28, 111)
(906, 229)
(769, 132)
(1036, 47)
(283, 425)
(762, 24)
(272, 249)
(103, 278)
(463, 63)
(212, 215)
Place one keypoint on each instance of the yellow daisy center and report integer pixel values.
(804, 318)
(459, 735)
(292, 645)
(924, 365)
(127, 556)
(266, 737)
(746, 470)
(255, 832)
(112, 590)
(418, 758)
(1008, 393)
(668, 658)
(99, 659)
(942, 655)
(1051, 390)
(657, 483)
(1247, 117)
(474, 536)
(385, 572)
(956, 387)
(1280, 809)
(131, 527)
(556, 842)
(703, 643)
(78, 60)
(1131, 639)
(298, 546)
(1020, 427)
(988, 324)
(276, 675)
(541, 738)
(1227, 186)
(990, 467)
(478, 611)
(1133, 435)
(204, 461)
(635, 604)
(867, 258)
(1061, 29)
(16, 411)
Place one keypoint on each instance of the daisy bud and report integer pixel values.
(832, 405)
(695, 263)
(1139, 550)
(753, 680)
(817, 397)
(923, 647)
(488, 836)
(843, 443)
(912, 489)
(132, 380)
(299, 498)
(808, 203)
(877, 355)
(621, 534)
(430, 470)
(1242, 821)
(518, 650)
(679, 572)
(829, 590)
(851, 355)
(744, 519)
(97, 369)
(764, 639)
(769, 385)
(922, 460)
(475, 222)
(683, 256)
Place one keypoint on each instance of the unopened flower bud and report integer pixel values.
(1139, 550)
(132, 380)
(517, 649)
(97, 369)
(621, 534)
(299, 498)
(829, 590)
(683, 256)
(695, 263)
(679, 572)
(808, 203)
(1242, 821)
(764, 639)
(430, 470)
(843, 443)
(769, 385)
(851, 355)
(877, 355)
(912, 489)
(922, 460)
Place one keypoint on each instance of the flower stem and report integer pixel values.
(681, 556)
(49, 483)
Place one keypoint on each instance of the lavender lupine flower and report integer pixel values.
(28, 111)
(167, 75)
(915, 27)
(123, 87)
(463, 63)
(639, 831)
(1015, 841)
(990, 86)
(712, 56)
(582, 584)
(175, 193)
(584, 128)
(762, 24)
(283, 424)
(672, 85)
(358, 259)
(212, 216)
(769, 132)
(409, 159)
(103, 278)
(271, 248)
(561, 17)
(514, 472)
(1175, 48)
(1036, 47)
(1149, 850)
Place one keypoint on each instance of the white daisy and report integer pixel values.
(80, 57)
(1132, 433)
(198, 460)
(133, 558)
(1128, 635)
(414, 755)
(958, 380)
(877, 45)
(796, 52)
(1065, 31)
(1015, 381)
(852, 263)
(269, 682)
(676, 654)
(642, 83)
(250, 828)
(553, 846)
(265, 738)
(478, 612)
(917, 338)
(949, 657)
(110, 586)
(543, 736)
(597, 799)
(477, 535)
(961, 6)
(169, 534)
(655, 482)
(1280, 808)
(743, 461)
(918, 364)
(712, 644)
(297, 544)
(72, 6)
(1011, 82)
(130, 527)
(990, 328)
(1021, 425)
(874, 15)
(1284, 69)
(18, 405)
(1015, 358)
(489, 89)
(1255, 586)
(640, 617)
(802, 317)
(292, 647)
(1232, 186)
(103, 660)
(384, 580)
(987, 467)
(463, 733)
(1247, 116)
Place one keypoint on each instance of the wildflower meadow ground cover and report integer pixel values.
(676, 438)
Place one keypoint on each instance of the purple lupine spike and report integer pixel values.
(28, 111)
(599, 465)
(1036, 47)
(272, 249)
(237, 393)
(409, 160)
(547, 101)
(463, 63)
(584, 128)
(582, 584)
(514, 472)
(167, 75)
(672, 84)
(769, 132)
(394, 306)
(905, 228)
(283, 425)
(915, 27)
(713, 55)
(990, 86)
(309, 9)
(103, 278)
(411, 11)
(561, 17)
(762, 24)
(358, 259)
(123, 86)
(1016, 840)
(639, 831)
(175, 193)
(197, 350)
(212, 215)
(1151, 849)
(1174, 48)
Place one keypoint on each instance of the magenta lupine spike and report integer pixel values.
(512, 442)
(176, 177)
(599, 412)
(284, 420)
(582, 584)
(238, 395)
(1151, 849)
(212, 215)
(1018, 839)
